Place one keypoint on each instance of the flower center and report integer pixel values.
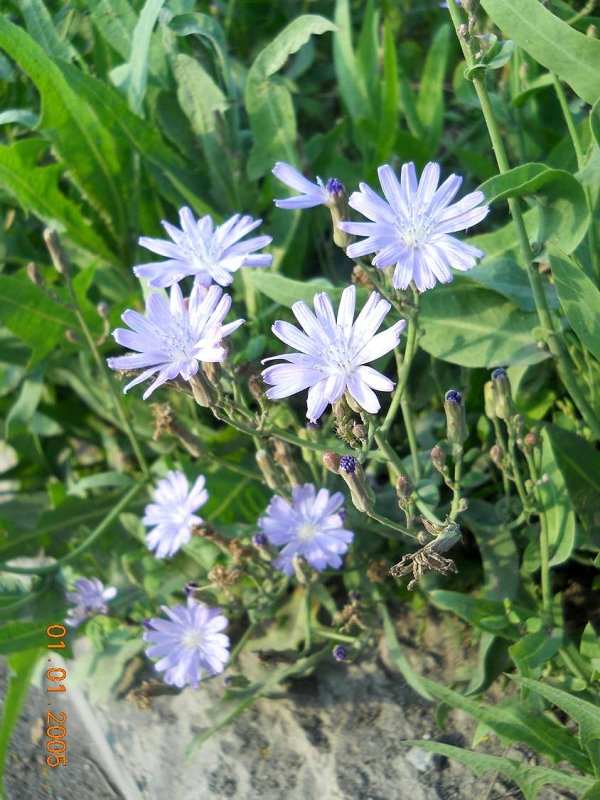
(415, 229)
(339, 356)
(306, 531)
(204, 254)
(191, 639)
(177, 339)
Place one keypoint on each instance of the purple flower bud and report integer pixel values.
(340, 652)
(260, 540)
(498, 373)
(227, 681)
(354, 595)
(190, 588)
(452, 396)
(334, 186)
(348, 464)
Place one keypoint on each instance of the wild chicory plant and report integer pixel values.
(171, 518)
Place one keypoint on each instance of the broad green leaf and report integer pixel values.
(563, 213)
(530, 780)
(557, 508)
(21, 667)
(595, 122)
(32, 316)
(505, 276)
(430, 102)
(23, 635)
(203, 103)
(589, 647)
(286, 292)
(580, 300)
(580, 467)
(115, 19)
(131, 77)
(532, 88)
(37, 190)
(269, 102)
(73, 126)
(574, 57)
(593, 793)
(390, 96)
(584, 713)
(475, 327)
(512, 722)
(536, 649)
(351, 80)
(207, 29)
(504, 242)
(40, 27)
(488, 615)
(22, 411)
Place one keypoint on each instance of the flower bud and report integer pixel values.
(268, 469)
(284, 458)
(352, 472)
(57, 254)
(339, 652)
(404, 490)
(359, 431)
(203, 391)
(34, 274)
(260, 540)
(497, 455)
(503, 402)
(489, 400)
(531, 439)
(456, 421)
(338, 207)
(438, 458)
(331, 461)
(256, 387)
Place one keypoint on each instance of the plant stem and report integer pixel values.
(555, 342)
(404, 367)
(544, 543)
(458, 461)
(389, 523)
(412, 439)
(579, 154)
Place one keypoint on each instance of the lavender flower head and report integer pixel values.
(173, 338)
(209, 254)
(189, 644)
(171, 516)
(90, 598)
(312, 194)
(333, 353)
(310, 527)
(411, 229)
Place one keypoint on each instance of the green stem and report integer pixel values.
(47, 569)
(544, 543)
(412, 439)
(404, 368)
(307, 629)
(458, 461)
(389, 523)
(580, 155)
(555, 342)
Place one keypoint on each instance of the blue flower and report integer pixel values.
(189, 644)
(171, 516)
(90, 598)
(209, 254)
(333, 353)
(310, 527)
(312, 194)
(174, 337)
(410, 230)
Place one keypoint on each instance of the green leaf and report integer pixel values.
(18, 636)
(580, 467)
(505, 276)
(24, 408)
(580, 300)
(31, 315)
(115, 19)
(19, 116)
(536, 649)
(593, 793)
(269, 102)
(513, 722)
(41, 28)
(131, 77)
(351, 80)
(530, 780)
(475, 327)
(286, 292)
(584, 713)
(390, 96)
(558, 511)
(595, 122)
(430, 101)
(574, 57)
(73, 126)
(495, 57)
(488, 615)
(21, 666)
(37, 190)
(563, 212)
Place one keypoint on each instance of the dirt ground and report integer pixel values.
(337, 735)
